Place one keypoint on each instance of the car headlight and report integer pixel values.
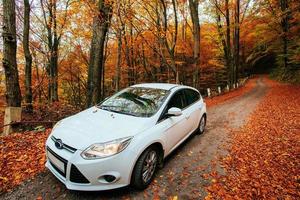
(103, 150)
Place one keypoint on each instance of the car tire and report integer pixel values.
(202, 124)
(139, 180)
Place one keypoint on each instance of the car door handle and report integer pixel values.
(187, 117)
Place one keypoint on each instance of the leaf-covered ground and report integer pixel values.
(264, 156)
(22, 156)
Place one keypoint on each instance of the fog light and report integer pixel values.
(109, 178)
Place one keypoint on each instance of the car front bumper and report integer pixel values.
(88, 175)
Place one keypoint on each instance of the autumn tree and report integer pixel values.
(284, 21)
(194, 4)
(13, 93)
(101, 22)
(169, 46)
(128, 38)
(224, 36)
(119, 33)
(236, 39)
(228, 23)
(28, 57)
(279, 22)
(228, 55)
(54, 34)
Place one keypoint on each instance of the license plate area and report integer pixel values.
(59, 165)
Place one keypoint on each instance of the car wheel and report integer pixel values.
(202, 124)
(145, 168)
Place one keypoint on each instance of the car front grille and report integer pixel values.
(65, 146)
(61, 159)
(76, 176)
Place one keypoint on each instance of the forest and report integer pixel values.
(79, 52)
(60, 57)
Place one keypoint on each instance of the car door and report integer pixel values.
(192, 108)
(175, 127)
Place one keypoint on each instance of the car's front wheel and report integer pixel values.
(145, 168)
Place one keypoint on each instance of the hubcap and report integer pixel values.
(202, 125)
(149, 166)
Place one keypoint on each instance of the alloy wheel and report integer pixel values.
(149, 166)
(202, 125)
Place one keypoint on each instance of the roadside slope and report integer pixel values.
(264, 160)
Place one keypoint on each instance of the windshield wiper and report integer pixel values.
(106, 107)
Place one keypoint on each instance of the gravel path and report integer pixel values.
(184, 173)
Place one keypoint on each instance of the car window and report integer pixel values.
(191, 96)
(177, 100)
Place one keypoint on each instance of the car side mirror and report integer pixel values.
(174, 112)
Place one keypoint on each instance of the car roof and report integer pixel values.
(164, 86)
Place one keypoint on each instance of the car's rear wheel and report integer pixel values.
(145, 168)
(202, 124)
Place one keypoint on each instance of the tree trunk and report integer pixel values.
(118, 62)
(100, 27)
(237, 41)
(103, 68)
(53, 41)
(133, 61)
(54, 70)
(228, 44)
(221, 37)
(13, 93)
(169, 48)
(54, 58)
(193, 4)
(28, 57)
(285, 29)
(119, 49)
(38, 77)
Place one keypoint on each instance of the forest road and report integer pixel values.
(185, 170)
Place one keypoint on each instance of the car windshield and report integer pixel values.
(136, 101)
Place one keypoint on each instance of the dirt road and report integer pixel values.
(184, 173)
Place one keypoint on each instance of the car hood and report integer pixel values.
(95, 125)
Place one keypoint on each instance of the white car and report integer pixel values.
(124, 139)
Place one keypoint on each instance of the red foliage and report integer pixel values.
(22, 156)
(264, 160)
